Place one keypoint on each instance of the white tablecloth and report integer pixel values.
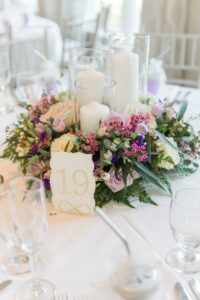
(78, 253)
(26, 35)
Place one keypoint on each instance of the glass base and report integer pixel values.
(37, 289)
(16, 264)
(183, 263)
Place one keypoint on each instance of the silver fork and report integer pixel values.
(64, 296)
(61, 296)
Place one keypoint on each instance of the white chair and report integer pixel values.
(78, 27)
(23, 58)
(182, 61)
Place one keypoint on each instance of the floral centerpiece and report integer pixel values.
(147, 143)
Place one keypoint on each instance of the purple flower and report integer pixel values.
(141, 129)
(115, 159)
(140, 139)
(115, 121)
(59, 125)
(46, 182)
(116, 183)
(43, 136)
(34, 149)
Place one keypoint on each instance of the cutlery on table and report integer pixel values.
(64, 296)
(5, 284)
(195, 287)
(181, 292)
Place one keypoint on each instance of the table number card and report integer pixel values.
(72, 182)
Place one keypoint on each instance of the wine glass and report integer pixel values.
(4, 84)
(29, 88)
(16, 263)
(29, 218)
(185, 225)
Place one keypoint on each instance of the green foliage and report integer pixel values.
(182, 110)
(104, 195)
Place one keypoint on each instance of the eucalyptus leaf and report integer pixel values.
(148, 175)
(182, 110)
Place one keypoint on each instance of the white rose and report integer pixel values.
(168, 151)
(147, 98)
(137, 108)
(60, 144)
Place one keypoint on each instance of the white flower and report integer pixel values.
(137, 108)
(106, 176)
(22, 150)
(60, 144)
(168, 152)
(147, 98)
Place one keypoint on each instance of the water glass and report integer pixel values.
(185, 224)
(16, 263)
(29, 219)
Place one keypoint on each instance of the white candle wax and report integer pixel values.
(124, 69)
(91, 115)
(90, 86)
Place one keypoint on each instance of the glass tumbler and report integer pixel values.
(185, 224)
(84, 60)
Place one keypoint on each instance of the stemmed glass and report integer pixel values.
(16, 263)
(185, 225)
(29, 218)
(29, 88)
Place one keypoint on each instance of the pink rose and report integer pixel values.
(59, 125)
(39, 128)
(37, 168)
(157, 109)
(62, 110)
(115, 121)
(116, 184)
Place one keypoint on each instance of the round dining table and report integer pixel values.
(80, 253)
(30, 32)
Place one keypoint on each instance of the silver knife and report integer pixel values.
(180, 292)
(4, 284)
(195, 287)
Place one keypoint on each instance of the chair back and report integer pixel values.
(23, 58)
(182, 61)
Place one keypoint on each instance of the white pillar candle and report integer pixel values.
(89, 86)
(91, 115)
(131, 15)
(124, 69)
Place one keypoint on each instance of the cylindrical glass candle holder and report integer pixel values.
(128, 66)
(98, 90)
(86, 62)
(93, 99)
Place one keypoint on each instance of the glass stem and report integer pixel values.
(33, 263)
